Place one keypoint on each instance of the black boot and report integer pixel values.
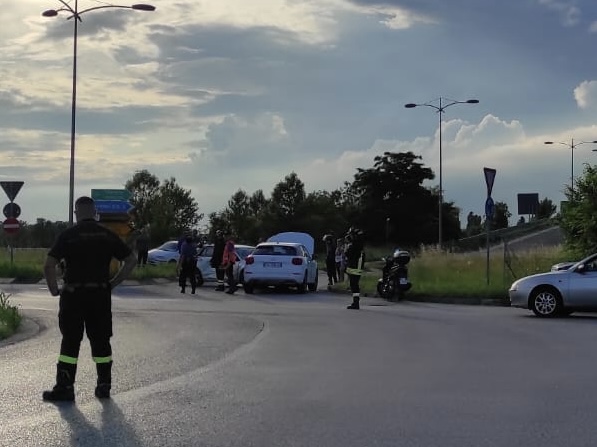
(64, 390)
(104, 380)
(182, 289)
(355, 303)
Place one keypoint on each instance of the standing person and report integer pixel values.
(330, 259)
(86, 249)
(229, 258)
(355, 263)
(216, 259)
(340, 259)
(142, 247)
(187, 264)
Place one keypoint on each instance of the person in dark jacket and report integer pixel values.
(217, 258)
(187, 264)
(355, 263)
(142, 247)
(330, 258)
(86, 250)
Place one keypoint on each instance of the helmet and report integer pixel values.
(219, 233)
(401, 256)
(328, 238)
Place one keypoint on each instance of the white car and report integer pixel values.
(165, 253)
(286, 259)
(560, 291)
(205, 272)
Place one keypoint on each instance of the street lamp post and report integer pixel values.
(572, 145)
(440, 109)
(76, 15)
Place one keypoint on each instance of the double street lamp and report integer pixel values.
(74, 13)
(440, 107)
(572, 145)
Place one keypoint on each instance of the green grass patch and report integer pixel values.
(10, 317)
(444, 275)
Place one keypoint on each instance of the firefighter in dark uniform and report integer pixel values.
(86, 249)
(355, 263)
(216, 259)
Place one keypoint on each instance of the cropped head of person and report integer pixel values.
(85, 209)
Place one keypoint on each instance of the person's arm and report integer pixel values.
(126, 267)
(50, 275)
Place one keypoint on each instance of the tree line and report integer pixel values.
(387, 201)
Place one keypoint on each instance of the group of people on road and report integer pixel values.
(346, 255)
(223, 259)
(86, 251)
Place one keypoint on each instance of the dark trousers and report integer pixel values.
(187, 270)
(85, 310)
(142, 257)
(220, 274)
(230, 277)
(330, 266)
(354, 281)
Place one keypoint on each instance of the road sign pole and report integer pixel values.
(488, 222)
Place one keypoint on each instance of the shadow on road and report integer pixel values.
(113, 429)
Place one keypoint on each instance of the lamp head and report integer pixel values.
(410, 105)
(548, 142)
(50, 13)
(143, 7)
(472, 101)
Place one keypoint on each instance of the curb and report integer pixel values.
(27, 329)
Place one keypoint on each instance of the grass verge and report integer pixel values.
(10, 317)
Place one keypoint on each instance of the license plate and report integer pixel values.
(272, 264)
(403, 281)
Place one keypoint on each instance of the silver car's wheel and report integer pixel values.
(546, 302)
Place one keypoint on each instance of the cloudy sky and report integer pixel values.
(229, 94)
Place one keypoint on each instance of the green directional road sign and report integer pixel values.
(110, 194)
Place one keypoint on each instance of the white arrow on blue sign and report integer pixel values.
(112, 206)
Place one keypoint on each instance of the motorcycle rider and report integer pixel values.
(355, 263)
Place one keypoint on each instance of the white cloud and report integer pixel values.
(569, 12)
(593, 27)
(586, 94)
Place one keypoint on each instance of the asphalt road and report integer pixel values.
(301, 370)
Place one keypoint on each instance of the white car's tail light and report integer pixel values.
(249, 260)
(297, 261)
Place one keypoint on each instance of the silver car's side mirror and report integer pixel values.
(581, 268)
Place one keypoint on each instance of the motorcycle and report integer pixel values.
(394, 280)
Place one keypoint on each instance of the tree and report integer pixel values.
(578, 220)
(144, 188)
(546, 209)
(474, 224)
(393, 189)
(285, 200)
(168, 208)
(501, 216)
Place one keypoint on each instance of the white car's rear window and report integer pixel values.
(275, 250)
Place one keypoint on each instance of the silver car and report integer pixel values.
(558, 292)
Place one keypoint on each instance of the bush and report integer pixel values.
(10, 318)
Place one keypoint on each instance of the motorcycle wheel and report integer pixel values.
(386, 289)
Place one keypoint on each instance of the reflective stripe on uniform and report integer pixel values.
(102, 359)
(352, 271)
(67, 359)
